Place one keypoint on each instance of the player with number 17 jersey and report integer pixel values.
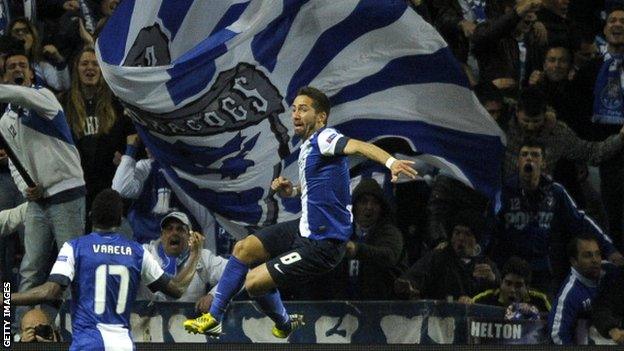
(104, 271)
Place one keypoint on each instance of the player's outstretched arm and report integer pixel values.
(46, 292)
(376, 153)
(176, 287)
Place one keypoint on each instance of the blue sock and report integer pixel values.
(271, 304)
(231, 282)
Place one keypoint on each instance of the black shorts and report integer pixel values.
(294, 258)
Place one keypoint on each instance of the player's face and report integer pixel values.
(512, 288)
(588, 259)
(18, 69)
(88, 69)
(367, 211)
(463, 241)
(306, 119)
(174, 237)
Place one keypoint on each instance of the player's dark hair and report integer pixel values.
(518, 266)
(532, 102)
(320, 101)
(573, 244)
(107, 209)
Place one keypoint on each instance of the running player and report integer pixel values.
(104, 270)
(314, 244)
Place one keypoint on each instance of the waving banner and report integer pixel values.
(209, 85)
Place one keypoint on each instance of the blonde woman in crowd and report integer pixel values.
(96, 121)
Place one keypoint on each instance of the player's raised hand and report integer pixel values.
(282, 186)
(402, 167)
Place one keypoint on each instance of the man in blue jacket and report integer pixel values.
(537, 219)
(587, 278)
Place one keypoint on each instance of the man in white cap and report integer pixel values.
(171, 251)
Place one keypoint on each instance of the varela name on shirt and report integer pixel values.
(112, 249)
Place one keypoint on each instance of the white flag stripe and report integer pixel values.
(305, 31)
(138, 86)
(371, 52)
(190, 33)
(422, 103)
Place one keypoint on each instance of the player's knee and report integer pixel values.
(254, 284)
(243, 251)
(248, 250)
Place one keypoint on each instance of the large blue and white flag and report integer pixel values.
(210, 84)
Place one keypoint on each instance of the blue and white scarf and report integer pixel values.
(170, 264)
(87, 14)
(608, 90)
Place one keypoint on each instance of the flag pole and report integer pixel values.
(16, 162)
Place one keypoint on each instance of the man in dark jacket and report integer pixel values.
(507, 47)
(375, 254)
(456, 21)
(608, 312)
(454, 271)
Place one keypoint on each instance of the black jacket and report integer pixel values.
(608, 310)
(441, 273)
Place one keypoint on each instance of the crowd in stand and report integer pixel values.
(548, 71)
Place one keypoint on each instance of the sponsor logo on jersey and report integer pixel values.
(331, 137)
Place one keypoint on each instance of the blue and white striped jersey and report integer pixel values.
(104, 270)
(324, 180)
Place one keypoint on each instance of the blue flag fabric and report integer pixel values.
(209, 85)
